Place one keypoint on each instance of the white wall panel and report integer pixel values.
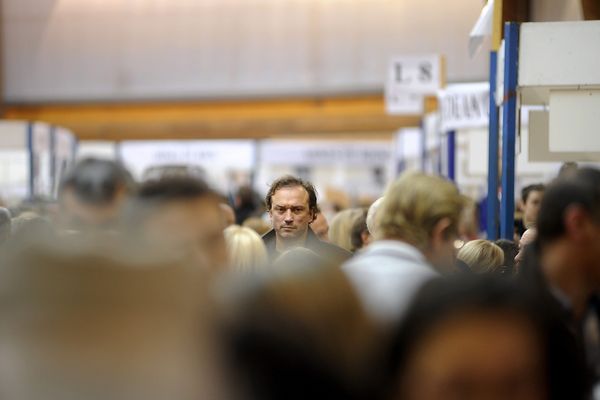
(117, 49)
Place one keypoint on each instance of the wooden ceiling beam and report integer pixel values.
(222, 119)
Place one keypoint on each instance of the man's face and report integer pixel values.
(290, 213)
(531, 207)
(190, 228)
(441, 252)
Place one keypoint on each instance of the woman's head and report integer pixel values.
(472, 337)
(340, 228)
(245, 248)
(481, 256)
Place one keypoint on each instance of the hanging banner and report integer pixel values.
(464, 106)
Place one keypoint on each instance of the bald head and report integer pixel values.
(527, 238)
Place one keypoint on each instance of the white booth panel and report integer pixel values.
(574, 120)
(478, 154)
(13, 134)
(538, 147)
(559, 54)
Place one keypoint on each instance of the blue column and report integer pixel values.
(492, 190)
(451, 155)
(509, 128)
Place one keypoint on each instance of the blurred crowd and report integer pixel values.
(166, 289)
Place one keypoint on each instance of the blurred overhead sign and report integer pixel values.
(209, 154)
(409, 79)
(464, 106)
(322, 153)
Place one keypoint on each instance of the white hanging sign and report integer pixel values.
(409, 79)
(398, 102)
(464, 106)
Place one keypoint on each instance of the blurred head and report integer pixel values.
(228, 214)
(468, 227)
(531, 197)
(92, 193)
(471, 338)
(340, 232)
(359, 234)
(569, 224)
(424, 211)
(5, 225)
(258, 225)
(527, 238)
(246, 198)
(181, 215)
(292, 206)
(298, 257)
(94, 326)
(510, 250)
(481, 256)
(320, 227)
(299, 332)
(245, 248)
(372, 217)
(568, 169)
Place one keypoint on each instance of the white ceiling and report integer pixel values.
(156, 49)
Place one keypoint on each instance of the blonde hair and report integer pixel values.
(245, 248)
(372, 216)
(413, 205)
(257, 224)
(340, 229)
(481, 256)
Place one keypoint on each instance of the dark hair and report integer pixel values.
(246, 197)
(444, 297)
(582, 189)
(156, 193)
(173, 188)
(510, 250)
(291, 181)
(96, 181)
(359, 226)
(526, 191)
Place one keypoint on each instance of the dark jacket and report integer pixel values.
(569, 376)
(328, 251)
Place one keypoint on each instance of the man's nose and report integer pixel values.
(288, 216)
